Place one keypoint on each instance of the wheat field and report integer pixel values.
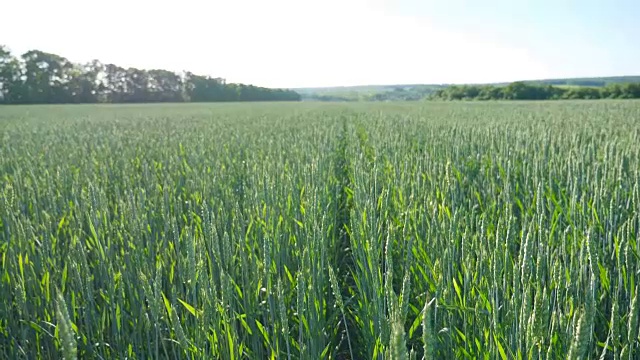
(504, 230)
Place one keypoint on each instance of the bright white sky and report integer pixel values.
(305, 43)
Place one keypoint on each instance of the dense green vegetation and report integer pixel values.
(320, 231)
(589, 82)
(38, 77)
(513, 91)
(617, 87)
(369, 93)
(531, 91)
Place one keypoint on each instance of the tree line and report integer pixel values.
(37, 77)
(593, 82)
(527, 91)
(389, 93)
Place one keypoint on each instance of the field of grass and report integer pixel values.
(320, 231)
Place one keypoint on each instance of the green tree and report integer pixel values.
(137, 86)
(46, 76)
(86, 83)
(204, 88)
(40, 77)
(165, 86)
(116, 86)
(11, 84)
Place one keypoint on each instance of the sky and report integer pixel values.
(315, 43)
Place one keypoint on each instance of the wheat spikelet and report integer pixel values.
(67, 336)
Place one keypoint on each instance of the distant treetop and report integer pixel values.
(535, 91)
(38, 77)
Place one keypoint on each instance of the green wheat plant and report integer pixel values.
(320, 231)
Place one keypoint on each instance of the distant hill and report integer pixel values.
(358, 88)
(368, 92)
(421, 91)
(592, 82)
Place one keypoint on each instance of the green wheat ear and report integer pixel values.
(65, 330)
(428, 340)
(397, 343)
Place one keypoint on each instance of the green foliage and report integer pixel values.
(369, 93)
(582, 88)
(40, 78)
(589, 82)
(533, 91)
(320, 231)
(65, 331)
